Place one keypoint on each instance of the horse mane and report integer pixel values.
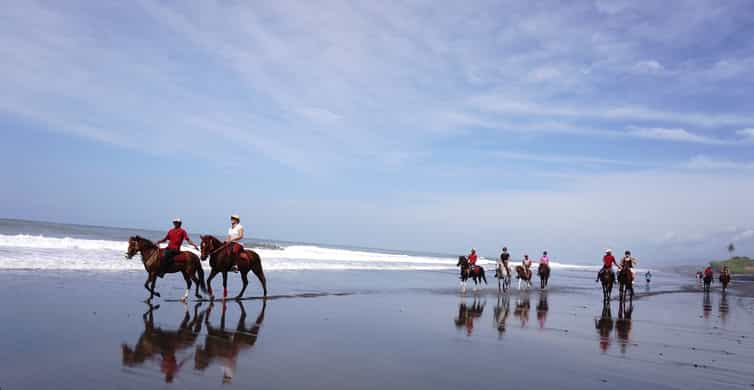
(144, 241)
(212, 238)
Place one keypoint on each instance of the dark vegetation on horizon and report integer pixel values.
(736, 265)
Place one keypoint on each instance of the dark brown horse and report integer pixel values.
(625, 283)
(607, 278)
(222, 262)
(163, 343)
(707, 282)
(186, 263)
(523, 274)
(477, 273)
(544, 275)
(724, 280)
(226, 344)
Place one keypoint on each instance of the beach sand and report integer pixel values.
(361, 330)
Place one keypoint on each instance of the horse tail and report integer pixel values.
(200, 272)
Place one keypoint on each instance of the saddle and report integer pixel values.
(477, 269)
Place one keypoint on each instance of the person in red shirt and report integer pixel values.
(174, 237)
(608, 261)
(472, 257)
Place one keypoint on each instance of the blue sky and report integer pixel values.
(538, 125)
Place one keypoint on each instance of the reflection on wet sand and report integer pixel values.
(170, 349)
(523, 307)
(707, 305)
(724, 308)
(468, 314)
(225, 345)
(604, 325)
(502, 310)
(542, 308)
(623, 324)
(164, 344)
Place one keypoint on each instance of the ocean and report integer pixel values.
(54, 246)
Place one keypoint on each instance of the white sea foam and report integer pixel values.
(41, 252)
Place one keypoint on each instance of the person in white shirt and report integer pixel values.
(235, 235)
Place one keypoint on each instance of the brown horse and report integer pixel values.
(724, 280)
(522, 274)
(625, 283)
(224, 344)
(156, 341)
(544, 275)
(186, 263)
(607, 277)
(222, 262)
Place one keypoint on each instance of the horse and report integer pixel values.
(477, 273)
(724, 280)
(544, 275)
(707, 282)
(625, 283)
(503, 275)
(607, 277)
(523, 274)
(158, 342)
(224, 344)
(187, 263)
(222, 262)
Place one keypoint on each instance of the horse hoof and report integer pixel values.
(157, 294)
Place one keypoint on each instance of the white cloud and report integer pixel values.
(746, 134)
(708, 163)
(744, 235)
(648, 66)
(678, 135)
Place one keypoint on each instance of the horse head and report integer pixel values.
(462, 261)
(133, 246)
(209, 244)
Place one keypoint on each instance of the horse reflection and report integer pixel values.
(623, 324)
(502, 310)
(707, 305)
(542, 308)
(225, 345)
(523, 307)
(468, 314)
(724, 308)
(156, 341)
(604, 325)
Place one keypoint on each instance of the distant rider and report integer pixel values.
(526, 262)
(648, 276)
(503, 263)
(472, 258)
(544, 260)
(608, 261)
(708, 272)
(630, 262)
(174, 237)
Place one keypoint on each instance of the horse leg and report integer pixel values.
(225, 285)
(146, 284)
(187, 278)
(245, 280)
(256, 267)
(154, 282)
(211, 276)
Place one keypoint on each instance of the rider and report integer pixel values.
(175, 237)
(708, 272)
(607, 264)
(503, 263)
(472, 257)
(630, 262)
(544, 260)
(526, 262)
(235, 235)
(648, 276)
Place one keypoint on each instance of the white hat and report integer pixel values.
(608, 250)
(176, 219)
(236, 217)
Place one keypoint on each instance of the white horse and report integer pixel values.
(503, 277)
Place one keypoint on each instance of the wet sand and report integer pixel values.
(360, 330)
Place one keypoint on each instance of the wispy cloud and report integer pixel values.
(679, 135)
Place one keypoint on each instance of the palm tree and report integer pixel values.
(731, 249)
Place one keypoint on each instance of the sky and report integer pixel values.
(540, 125)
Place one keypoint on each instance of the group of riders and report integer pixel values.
(628, 262)
(177, 235)
(503, 263)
